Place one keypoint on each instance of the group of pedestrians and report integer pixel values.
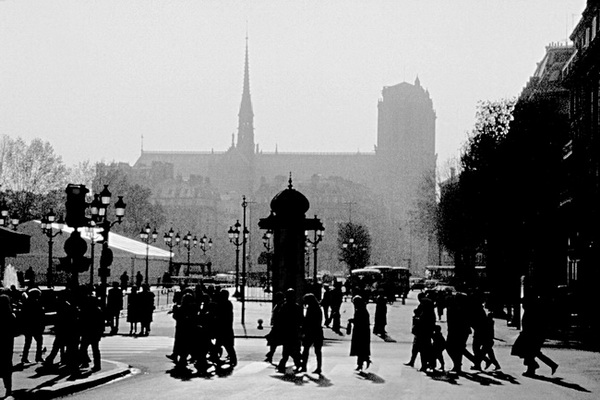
(203, 329)
(140, 309)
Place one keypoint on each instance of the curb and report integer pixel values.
(67, 388)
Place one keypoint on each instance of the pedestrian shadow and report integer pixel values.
(386, 338)
(369, 376)
(182, 373)
(560, 382)
(443, 376)
(503, 377)
(290, 377)
(481, 379)
(321, 381)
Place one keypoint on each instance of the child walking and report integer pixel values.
(439, 345)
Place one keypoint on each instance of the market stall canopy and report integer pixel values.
(13, 243)
(118, 242)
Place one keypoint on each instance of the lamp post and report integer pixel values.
(6, 220)
(189, 243)
(234, 237)
(267, 243)
(91, 230)
(315, 245)
(47, 221)
(205, 245)
(148, 236)
(171, 241)
(98, 209)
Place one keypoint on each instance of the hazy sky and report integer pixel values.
(92, 76)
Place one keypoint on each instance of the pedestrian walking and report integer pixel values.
(66, 334)
(423, 330)
(337, 297)
(274, 335)
(114, 305)
(360, 345)
(290, 318)
(312, 332)
(458, 329)
(146, 309)
(133, 316)
(91, 321)
(32, 322)
(414, 351)
(224, 334)
(380, 316)
(488, 343)
(7, 335)
(186, 318)
(439, 345)
(528, 345)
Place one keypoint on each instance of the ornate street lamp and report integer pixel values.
(148, 236)
(47, 221)
(6, 220)
(189, 243)
(315, 245)
(234, 237)
(171, 241)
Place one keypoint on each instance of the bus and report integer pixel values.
(379, 279)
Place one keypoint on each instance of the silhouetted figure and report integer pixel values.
(146, 309)
(133, 314)
(124, 281)
(139, 279)
(423, 330)
(274, 336)
(224, 334)
(479, 325)
(91, 322)
(326, 304)
(458, 329)
(312, 332)
(487, 344)
(439, 345)
(528, 345)
(114, 305)
(360, 345)
(380, 315)
(414, 351)
(336, 303)
(186, 316)
(32, 320)
(7, 334)
(290, 319)
(66, 334)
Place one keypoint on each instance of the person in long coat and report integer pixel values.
(380, 315)
(32, 318)
(360, 346)
(7, 334)
(133, 313)
(224, 326)
(312, 331)
(186, 316)
(290, 319)
(274, 335)
(146, 309)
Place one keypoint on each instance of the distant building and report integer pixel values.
(387, 180)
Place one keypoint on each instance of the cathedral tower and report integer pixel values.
(245, 143)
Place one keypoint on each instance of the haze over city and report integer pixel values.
(93, 77)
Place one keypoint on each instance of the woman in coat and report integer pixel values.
(133, 313)
(312, 331)
(360, 346)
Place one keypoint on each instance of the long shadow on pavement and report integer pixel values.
(560, 382)
(503, 377)
(369, 376)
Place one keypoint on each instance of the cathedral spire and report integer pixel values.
(246, 115)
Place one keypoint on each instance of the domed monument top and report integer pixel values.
(290, 202)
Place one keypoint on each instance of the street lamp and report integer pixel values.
(234, 237)
(98, 210)
(315, 245)
(353, 251)
(47, 221)
(6, 220)
(189, 243)
(171, 241)
(91, 230)
(205, 245)
(148, 236)
(267, 243)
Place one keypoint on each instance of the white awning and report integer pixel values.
(118, 242)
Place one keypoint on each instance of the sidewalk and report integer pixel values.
(33, 381)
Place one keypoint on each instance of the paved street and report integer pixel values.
(578, 376)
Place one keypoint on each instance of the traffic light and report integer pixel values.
(76, 205)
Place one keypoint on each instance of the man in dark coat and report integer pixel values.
(290, 321)
(91, 320)
(114, 305)
(458, 329)
(32, 320)
(224, 326)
